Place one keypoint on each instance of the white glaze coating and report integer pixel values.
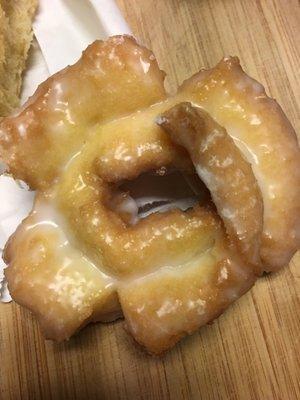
(46, 218)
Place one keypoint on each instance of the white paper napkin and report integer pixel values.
(64, 28)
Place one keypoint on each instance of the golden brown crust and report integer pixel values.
(49, 276)
(172, 303)
(227, 175)
(267, 140)
(86, 129)
(112, 79)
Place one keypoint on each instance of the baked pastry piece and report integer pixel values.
(15, 38)
(83, 254)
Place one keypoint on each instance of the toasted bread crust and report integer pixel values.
(15, 38)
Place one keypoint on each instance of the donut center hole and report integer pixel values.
(161, 191)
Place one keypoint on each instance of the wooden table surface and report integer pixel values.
(253, 350)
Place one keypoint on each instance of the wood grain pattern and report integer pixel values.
(252, 351)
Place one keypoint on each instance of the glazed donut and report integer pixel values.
(113, 78)
(225, 172)
(84, 254)
(267, 141)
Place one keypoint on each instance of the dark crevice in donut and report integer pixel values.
(165, 189)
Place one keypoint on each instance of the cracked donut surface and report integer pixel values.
(84, 254)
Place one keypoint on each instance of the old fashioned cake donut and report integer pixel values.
(84, 254)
